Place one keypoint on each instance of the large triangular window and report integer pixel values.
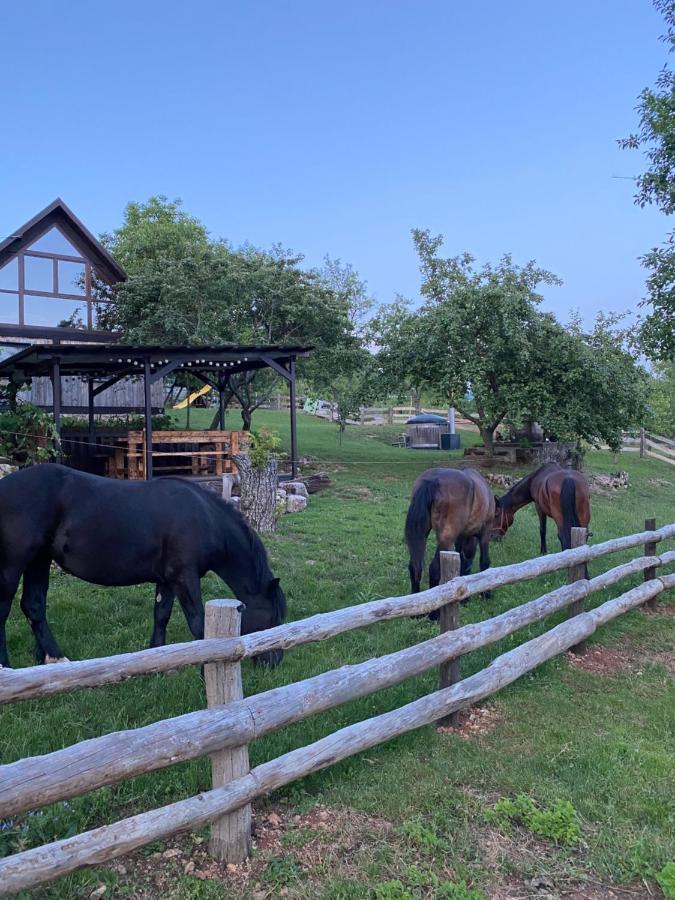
(54, 241)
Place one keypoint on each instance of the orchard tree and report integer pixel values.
(474, 334)
(656, 137)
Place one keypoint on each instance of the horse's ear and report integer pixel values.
(497, 501)
(273, 585)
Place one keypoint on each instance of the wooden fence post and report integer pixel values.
(578, 538)
(448, 620)
(642, 442)
(650, 550)
(230, 839)
(390, 415)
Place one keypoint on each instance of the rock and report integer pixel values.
(235, 501)
(295, 503)
(189, 867)
(6, 469)
(317, 482)
(170, 854)
(99, 891)
(296, 487)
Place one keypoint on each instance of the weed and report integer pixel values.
(559, 823)
(666, 880)
(392, 890)
(422, 837)
(297, 838)
(281, 871)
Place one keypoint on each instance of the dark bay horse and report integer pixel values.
(560, 494)
(108, 532)
(458, 504)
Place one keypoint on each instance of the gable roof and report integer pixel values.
(57, 213)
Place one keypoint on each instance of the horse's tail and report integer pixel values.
(568, 503)
(417, 527)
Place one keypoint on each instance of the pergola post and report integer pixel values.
(221, 405)
(56, 392)
(147, 386)
(294, 424)
(90, 397)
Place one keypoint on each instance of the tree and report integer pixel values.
(662, 399)
(480, 335)
(185, 288)
(656, 137)
(474, 334)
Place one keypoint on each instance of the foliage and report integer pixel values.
(27, 435)
(480, 335)
(392, 890)
(661, 399)
(656, 137)
(666, 880)
(162, 422)
(423, 837)
(559, 823)
(185, 288)
(262, 447)
(281, 871)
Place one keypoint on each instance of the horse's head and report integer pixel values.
(265, 608)
(503, 520)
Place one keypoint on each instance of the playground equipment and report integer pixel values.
(193, 396)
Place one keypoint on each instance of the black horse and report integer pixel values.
(108, 532)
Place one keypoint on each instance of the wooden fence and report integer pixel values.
(232, 722)
(657, 446)
(397, 415)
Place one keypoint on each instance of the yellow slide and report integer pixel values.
(193, 397)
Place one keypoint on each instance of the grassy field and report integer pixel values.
(415, 817)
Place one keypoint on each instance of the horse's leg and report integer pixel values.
(468, 551)
(542, 529)
(9, 582)
(435, 569)
(163, 606)
(484, 544)
(34, 608)
(189, 592)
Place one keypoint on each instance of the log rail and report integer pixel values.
(227, 727)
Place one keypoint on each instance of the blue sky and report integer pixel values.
(337, 127)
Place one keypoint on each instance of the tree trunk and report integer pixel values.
(258, 493)
(246, 417)
(488, 438)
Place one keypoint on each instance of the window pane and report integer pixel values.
(54, 242)
(54, 313)
(38, 273)
(9, 309)
(71, 278)
(9, 275)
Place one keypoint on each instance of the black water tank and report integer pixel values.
(450, 441)
(426, 419)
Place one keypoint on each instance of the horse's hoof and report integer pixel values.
(55, 659)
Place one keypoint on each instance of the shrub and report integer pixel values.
(262, 446)
(27, 435)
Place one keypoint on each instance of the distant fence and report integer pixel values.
(657, 446)
(231, 722)
(397, 415)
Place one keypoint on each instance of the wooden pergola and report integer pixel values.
(102, 365)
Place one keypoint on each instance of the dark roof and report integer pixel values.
(108, 360)
(57, 213)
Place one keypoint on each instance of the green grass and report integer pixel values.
(605, 744)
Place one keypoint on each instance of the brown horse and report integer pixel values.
(561, 494)
(458, 504)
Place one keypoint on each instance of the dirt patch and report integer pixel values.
(281, 843)
(473, 722)
(624, 658)
(600, 660)
(660, 482)
(662, 609)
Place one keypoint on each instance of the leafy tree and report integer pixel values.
(473, 336)
(185, 288)
(656, 137)
(480, 334)
(662, 399)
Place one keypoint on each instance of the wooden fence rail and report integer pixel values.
(42, 681)
(232, 722)
(662, 448)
